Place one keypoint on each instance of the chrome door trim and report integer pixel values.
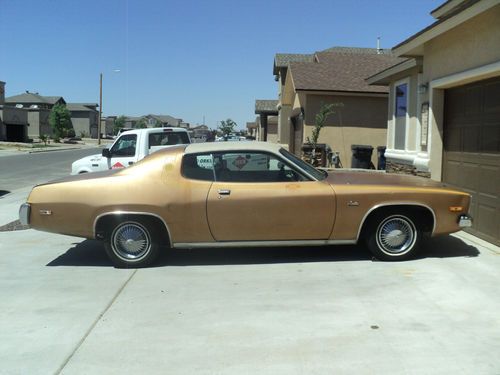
(203, 245)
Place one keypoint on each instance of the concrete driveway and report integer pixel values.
(65, 309)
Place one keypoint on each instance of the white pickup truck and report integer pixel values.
(130, 147)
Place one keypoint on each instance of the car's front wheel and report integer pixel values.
(132, 244)
(393, 237)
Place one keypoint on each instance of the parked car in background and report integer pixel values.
(235, 194)
(230, 138)
(130, 147)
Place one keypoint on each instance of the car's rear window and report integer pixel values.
(198, 167)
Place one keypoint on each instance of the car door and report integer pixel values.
(259, 197)
(123, 152)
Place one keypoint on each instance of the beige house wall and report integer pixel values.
(284, 124)
(359, 120)
(469, 52)
(272, 129)
(85, 122)
(474, 43)
(272, 132)
(39, 122)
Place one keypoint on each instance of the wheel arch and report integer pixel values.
(104, 218)
(405, 207)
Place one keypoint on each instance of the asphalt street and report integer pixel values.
(28, 169)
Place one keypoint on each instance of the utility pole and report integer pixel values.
(100, 111)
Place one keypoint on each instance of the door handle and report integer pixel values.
(224, 192)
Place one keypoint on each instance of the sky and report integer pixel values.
(195, 60)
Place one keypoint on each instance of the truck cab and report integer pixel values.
(130, 147)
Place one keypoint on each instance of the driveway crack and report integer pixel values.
(91, 328)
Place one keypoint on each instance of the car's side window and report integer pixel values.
(242, 166)
(198, 167)
(125, 146)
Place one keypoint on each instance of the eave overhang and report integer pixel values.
(414, 45)
(342, 93)
(385, 77)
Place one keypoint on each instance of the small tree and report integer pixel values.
(44, 138)
(60, 121)
(320, 119)
(158, 124)
(141, 124)
(227, 127)
(118, 124)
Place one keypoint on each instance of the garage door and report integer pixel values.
(472, 151)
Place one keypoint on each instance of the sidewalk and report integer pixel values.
(13, 148)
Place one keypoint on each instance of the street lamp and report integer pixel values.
(100, 107)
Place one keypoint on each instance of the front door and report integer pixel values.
(257, 197)
(123, 152)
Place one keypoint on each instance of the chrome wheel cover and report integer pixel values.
(131, 241)
(396, 235)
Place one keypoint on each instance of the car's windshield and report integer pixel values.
(308, 168)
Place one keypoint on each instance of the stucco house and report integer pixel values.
(444, 106)
(253, 129)
(267, 120)
(38, 107)
(83, 115)
(337, 76)
(13, 121)
(84, 118)
(164, 120)
(151, 121)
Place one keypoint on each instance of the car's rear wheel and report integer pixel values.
(393, 236)
(132, 244)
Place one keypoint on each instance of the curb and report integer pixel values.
(56, 149)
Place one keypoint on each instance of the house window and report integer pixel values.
(401, 100)
(400, 115)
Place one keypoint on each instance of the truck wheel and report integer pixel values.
(132, 244)
(393, 237)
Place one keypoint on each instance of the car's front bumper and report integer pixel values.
(24, 213)
(465, 221)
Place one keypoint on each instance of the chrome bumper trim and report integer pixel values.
(465, 221)
(24, 213)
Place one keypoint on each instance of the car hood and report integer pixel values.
(336, 177)
(89, 159)
(83, 176)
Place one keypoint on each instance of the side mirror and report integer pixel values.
(106, 153)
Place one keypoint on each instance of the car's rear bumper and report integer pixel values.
(24, 213)
(464, 221)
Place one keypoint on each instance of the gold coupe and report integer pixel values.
(232, 194)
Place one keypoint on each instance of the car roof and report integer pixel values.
(156, 130)
(195, 148)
